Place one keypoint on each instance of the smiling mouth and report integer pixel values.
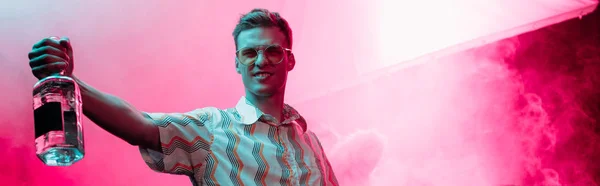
(262, 74)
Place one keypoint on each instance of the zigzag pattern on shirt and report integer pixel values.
(180, 168)
(211, 166)
(299, 157)
(188, 146)
(184, 169)
(158, 165)
(180, 119)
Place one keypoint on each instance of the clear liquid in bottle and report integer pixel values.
(57, 119)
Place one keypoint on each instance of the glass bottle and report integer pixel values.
(57, 119)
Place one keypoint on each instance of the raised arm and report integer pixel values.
(118, 117)
(51, 55)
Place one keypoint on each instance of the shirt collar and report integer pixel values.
(249, 114)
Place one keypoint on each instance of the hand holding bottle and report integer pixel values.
(56, 103)
(51, 55)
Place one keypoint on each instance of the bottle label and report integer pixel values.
(48, 117)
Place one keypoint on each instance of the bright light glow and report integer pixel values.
(401, 129)
(412, 29)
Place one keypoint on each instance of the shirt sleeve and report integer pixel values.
(185, 140)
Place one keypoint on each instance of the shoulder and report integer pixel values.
(215, 116)
(199, 116)
(211, 114)
(204, 112)
(292, 115)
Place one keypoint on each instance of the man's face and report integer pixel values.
(263, 77)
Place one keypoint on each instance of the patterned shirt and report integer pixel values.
(239, 146)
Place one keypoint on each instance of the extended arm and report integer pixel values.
(118, 117)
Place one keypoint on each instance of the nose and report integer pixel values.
(261, 60)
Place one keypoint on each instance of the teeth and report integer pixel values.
(263, 74)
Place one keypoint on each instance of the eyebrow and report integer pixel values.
(254, 46)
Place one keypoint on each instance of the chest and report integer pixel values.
(262, 154)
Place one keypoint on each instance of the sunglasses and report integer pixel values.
(274, 54)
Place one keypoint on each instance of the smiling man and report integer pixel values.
(260, 141)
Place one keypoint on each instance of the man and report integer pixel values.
(260, 141)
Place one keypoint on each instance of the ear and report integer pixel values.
(237, 67)
(291, 62)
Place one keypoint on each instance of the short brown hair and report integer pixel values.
(262, 18)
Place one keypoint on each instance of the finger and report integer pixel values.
(45, 59)
(65, 42)
(48, 50)
(48, 69)
(48, 42)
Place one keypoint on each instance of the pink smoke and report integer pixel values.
(522, 111)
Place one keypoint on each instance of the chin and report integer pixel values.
(265, 90)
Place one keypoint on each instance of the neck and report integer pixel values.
(272, 105)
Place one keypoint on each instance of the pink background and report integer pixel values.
(471, 118)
